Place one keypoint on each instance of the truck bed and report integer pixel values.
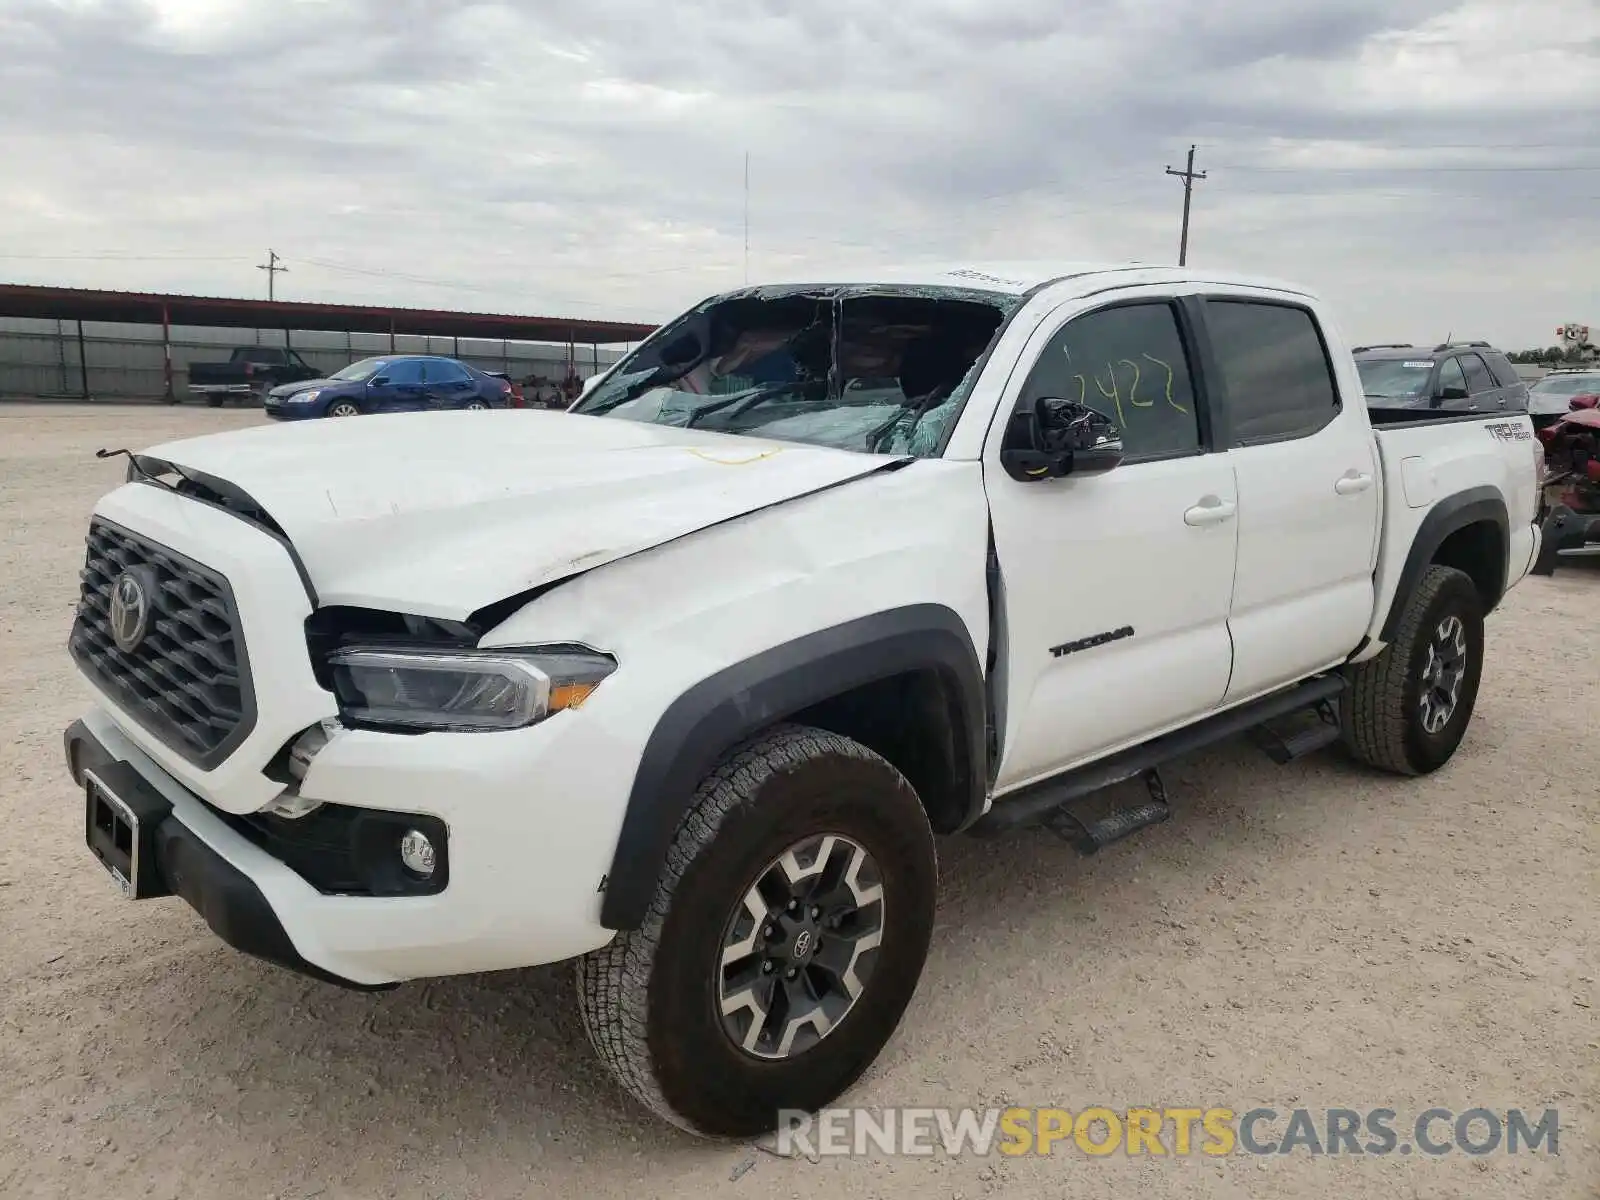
(1435, 463)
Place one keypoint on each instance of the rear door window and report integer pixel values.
(1275, 370)
(443, 372)
(1504, 372)
(1478, 378)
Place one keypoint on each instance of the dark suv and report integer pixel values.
(1455, 376)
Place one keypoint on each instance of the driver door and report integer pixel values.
(1115, 588)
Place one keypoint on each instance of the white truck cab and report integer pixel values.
(682, 682)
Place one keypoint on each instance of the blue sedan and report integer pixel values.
(390, 383)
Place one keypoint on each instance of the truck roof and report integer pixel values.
(1021, 277)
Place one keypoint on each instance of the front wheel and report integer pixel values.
(215, 401)
(1408, 709)
(785, 940)
(475, 405)
(343, 408)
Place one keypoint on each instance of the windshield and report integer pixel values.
(881, 371)
(1394, 378)
(357, 371)
(1567, 385)
(1553, 394)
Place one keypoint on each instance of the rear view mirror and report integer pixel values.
(1054, 437)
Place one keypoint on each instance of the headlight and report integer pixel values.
(464, 689)
(305, 397)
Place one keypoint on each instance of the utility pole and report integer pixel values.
(272, 269)
(1188, 175)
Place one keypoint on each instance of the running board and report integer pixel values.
(1285, 749)
(1036, 804)
(1087, 837)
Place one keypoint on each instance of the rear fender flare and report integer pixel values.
(1449, 515)
(719, 712)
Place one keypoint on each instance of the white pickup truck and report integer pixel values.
(681, 683)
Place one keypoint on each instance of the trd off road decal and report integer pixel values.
(1510, 431)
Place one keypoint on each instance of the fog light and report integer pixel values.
(416, 852)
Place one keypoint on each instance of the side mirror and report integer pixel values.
(1060, 437)
(1451, 393)
(380, 381)
(589, 385)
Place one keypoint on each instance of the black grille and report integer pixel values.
(188, 680)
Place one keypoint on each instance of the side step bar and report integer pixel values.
(1285, 749)
(1090, 836)
(1038, 804)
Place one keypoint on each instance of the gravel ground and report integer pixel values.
(1308, 936)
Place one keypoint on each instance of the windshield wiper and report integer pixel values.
(717, 406)
(916, 412)
(743, 402)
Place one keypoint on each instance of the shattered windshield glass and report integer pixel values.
(884, 371)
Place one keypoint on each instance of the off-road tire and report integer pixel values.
(649, 997)
(1380, 712)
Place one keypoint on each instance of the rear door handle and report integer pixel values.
(1210, 511)
(1352, 484)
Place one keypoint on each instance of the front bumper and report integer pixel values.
(282, 410)
(521, 892)
(1566, 533)
(232, 905)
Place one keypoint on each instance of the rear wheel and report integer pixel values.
(215, 401)
(343, 408)
(1408, 709)
(784, 942)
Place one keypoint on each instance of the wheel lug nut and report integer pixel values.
(791, 973)
(766, 968)
(794, 906)
(815, 913)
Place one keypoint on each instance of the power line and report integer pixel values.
(1514, 169)
(272, 269)
(1188, 175)
(123, 257)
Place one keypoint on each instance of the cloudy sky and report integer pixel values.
(1432, 166)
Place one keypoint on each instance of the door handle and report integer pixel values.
(1210, 511)
(1352, 484)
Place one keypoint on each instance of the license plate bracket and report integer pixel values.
(121, 813)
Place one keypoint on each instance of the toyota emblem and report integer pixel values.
(802, 943)
(130, 610)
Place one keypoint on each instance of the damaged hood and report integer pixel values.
(441, 514)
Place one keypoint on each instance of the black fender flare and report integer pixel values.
(714, 715)
(1446, 517)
